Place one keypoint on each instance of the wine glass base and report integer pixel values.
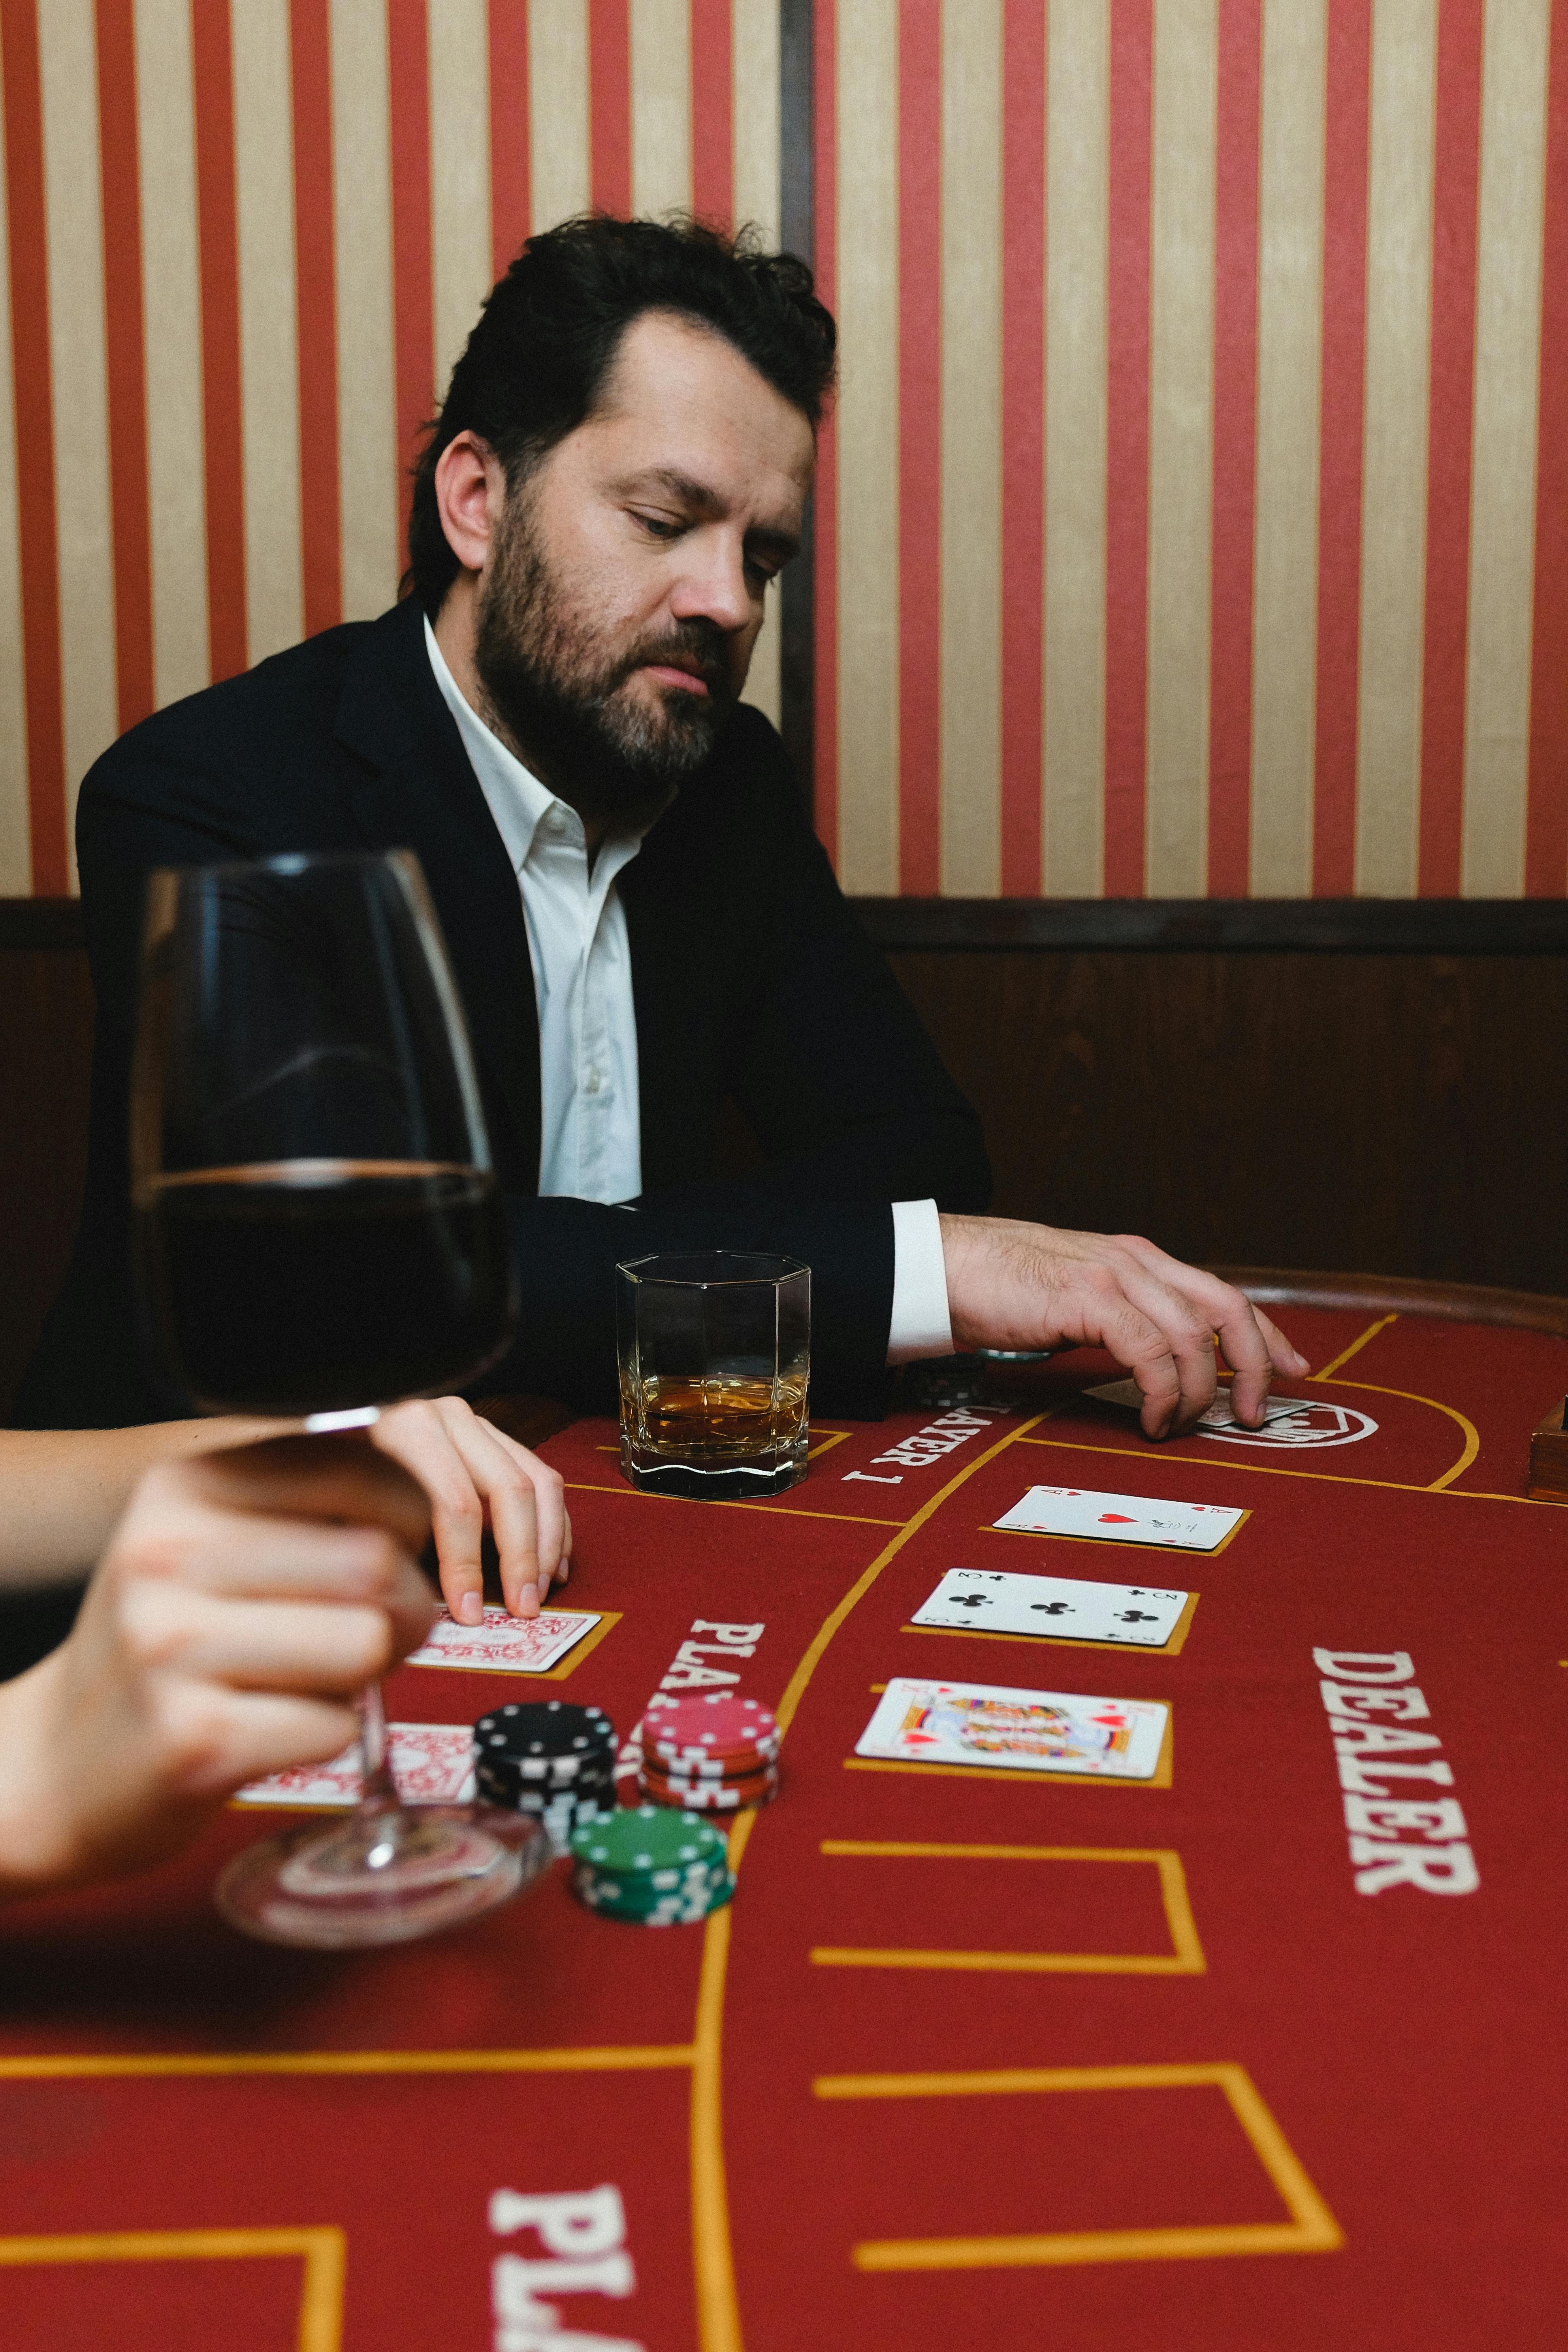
(382, 1876)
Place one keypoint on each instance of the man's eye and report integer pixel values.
(659, 526)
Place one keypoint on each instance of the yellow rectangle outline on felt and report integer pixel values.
(87, 2065)
(1185, 1959)
(322, 2251)
(1161, 1776)
(608, 1620)
(1114, 1543)
(1170, 1648)
(1312, 2229)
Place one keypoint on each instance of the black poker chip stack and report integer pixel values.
(548, 1759)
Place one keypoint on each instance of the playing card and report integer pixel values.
(996, 1603)
(1217, 1415)
(922, 1722)
(504, 1645)
(432, 1764)
(1121, 1518)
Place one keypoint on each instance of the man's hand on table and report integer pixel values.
(1024, 1287)
(478, 1477)
(244, 1599)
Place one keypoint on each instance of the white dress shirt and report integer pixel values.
(590, 1121)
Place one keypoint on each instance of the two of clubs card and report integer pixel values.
(1059, 1608)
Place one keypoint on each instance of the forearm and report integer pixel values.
(63, 1490)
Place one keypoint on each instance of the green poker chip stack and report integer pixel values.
(651, 1865)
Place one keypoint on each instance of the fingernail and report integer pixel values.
(471, 1609)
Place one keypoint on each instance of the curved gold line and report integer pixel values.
(1326, 1378)
(718, 2306)
(1472, 1435)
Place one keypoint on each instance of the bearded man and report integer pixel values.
(642, 925)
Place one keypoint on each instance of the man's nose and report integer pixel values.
(713, 586)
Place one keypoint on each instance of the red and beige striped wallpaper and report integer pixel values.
(1195, 518)
(244, 242)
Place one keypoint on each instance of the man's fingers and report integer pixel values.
(1190, 1341)
(1253, 1347)
(1284, 1354)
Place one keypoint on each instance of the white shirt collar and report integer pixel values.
(517, 799)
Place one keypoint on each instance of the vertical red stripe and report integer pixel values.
(1457, 180)
(610, 105)
(920, 447)
(510, 197)
(213, 72)
(36, 437)
(825, 500)
(126, 357)
(1023, 438)
(712, 121)
(414, 325)
(316, 309)
(1234, 448)
(1127, 520)
(1340, 480)
(1546, 827)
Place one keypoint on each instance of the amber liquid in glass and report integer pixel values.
(723, 1417)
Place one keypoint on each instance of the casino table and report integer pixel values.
(974, 2054)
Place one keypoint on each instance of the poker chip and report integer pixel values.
(551, 1730)
(715, 1725)
(711, 1754)
(713, 1800)
(651, 1865)
(549, 1760)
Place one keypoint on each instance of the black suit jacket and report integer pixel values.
(751, 982)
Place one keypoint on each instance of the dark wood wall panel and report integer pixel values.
(46, 1048)
(1395, 1114)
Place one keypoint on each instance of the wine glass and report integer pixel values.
(318, 1233)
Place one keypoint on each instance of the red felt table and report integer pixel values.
(972, 2056)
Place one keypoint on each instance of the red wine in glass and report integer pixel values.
(318, 1233)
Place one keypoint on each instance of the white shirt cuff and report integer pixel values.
(921, 1324)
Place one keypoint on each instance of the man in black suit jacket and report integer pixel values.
(619, 469)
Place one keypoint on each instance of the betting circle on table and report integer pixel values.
(968, 2052)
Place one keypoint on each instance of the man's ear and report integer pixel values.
(470, 489)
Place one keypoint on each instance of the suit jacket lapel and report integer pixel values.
(418, 792)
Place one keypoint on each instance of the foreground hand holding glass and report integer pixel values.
(319, 1232)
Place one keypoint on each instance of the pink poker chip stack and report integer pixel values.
(710, 1753)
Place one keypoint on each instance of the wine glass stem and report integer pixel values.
(377, 1786)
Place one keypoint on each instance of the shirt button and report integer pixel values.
(593, 1082)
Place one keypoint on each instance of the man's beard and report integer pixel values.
(554, 685)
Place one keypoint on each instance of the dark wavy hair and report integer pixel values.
(535, 364)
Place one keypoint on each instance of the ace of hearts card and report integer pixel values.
(1121, 1518)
